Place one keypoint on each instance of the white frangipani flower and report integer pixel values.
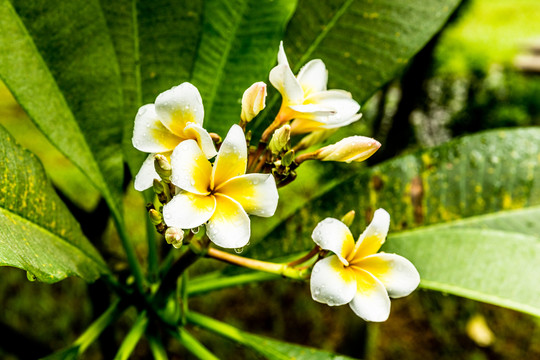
(356, 274)
(222, 195)
(177, 115)
(306, 99)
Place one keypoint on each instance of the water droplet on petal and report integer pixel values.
(239, 250)
(195, 230)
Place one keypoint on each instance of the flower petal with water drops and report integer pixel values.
(371, 301)
(191, 170)
(397, 274)
(373, 237)
(187, 210)
(231, 160)
(331, 234)
(257, 193)
(229, 226)
(179, 106)
(149, 134)
(332, 283)
(283, 79)
(146, 175)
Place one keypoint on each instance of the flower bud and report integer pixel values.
(288, 158)
(253, 101)
(353, 148)
(348, 218)
(162, 166)
(280, 139)
(174, 236)
(155, 216)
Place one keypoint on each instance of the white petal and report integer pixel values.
(198, 133)
(374, 236)
(398, 275)
(231, 160)
(331, 283)
(281, 56)
(371, 301)
(339, 100)
(191, 171)
(257, 193)
(146, 175)
(313, 111)
(149, 134)
(282, 78)
(331, 234)
(313, 77)
(229, 226)
(178, 106)
(187, 211)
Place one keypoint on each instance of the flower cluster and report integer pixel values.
(200, 180)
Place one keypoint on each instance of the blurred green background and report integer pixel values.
(464, 81)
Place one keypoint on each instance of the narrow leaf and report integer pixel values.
(38, 233)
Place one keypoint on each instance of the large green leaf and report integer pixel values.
(58, 61)
(38, 233)
(466, 186)
(364, 44)
(269, 348)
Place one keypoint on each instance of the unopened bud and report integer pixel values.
(174, 236)
(353, 148)
(314, 138)
(288, 158)
(253, 101)
(155, 216)
(158, 187)
(215, 138)
(280, 139)
(348, 218)
(162, 166)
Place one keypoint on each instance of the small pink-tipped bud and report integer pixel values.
(280, 139)
(353, 148)
(253, 101)
(174, 236)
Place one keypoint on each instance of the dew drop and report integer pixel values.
(141, 111)
(238, 250)
(195, 230)
(316, 270)
(317, 291)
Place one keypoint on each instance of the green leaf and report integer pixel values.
(498, 267)
(269, 348)
(59, 63)
(484, 181)
(38, 233)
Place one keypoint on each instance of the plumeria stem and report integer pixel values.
(273, 268)
(309, 156)
(193, 345)
(202, 286)
(306, 257)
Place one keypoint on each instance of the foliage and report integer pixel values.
(81, 69)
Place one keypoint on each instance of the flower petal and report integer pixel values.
(331, 234)
(146, 175)
(229, 226)
(231, 160)
(373, 237)
(187, 211)
(149, 134)
(283, 79)
(313, 77)
(339, 100)
(371, 301)
(332, 283)
(198, 133)
(178, 106)
(257, 193)
(191, 170)
(397, 274)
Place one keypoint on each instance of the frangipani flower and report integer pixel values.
(306, 99)
(177, 115)
(352, 148)
(356, 274)
(222, 195)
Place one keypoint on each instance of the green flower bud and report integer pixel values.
(162, 166)
(155, 217)
(280, 139)
(348, 218)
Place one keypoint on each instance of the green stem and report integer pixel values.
(96, 328)
(206, 285)
(217, 327)
(152, 250)
(269, 267)
(156, 347)
(130, 253)
(193, 345)
(132, 338)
